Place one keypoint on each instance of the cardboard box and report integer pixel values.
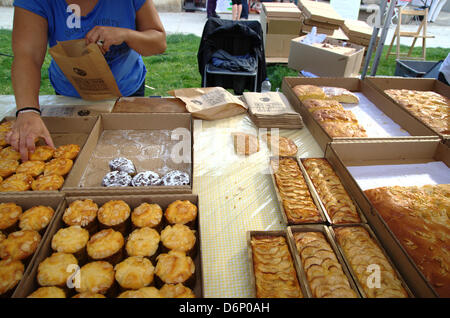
(53, 200)
(407, 122)
(420, 84)
(323, 62)
(320, 11)
(29, 285)
(92, 165)
(149, 105)
(64, 130)
(342, 155)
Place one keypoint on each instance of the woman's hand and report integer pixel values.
(24, 133)
(108, 36)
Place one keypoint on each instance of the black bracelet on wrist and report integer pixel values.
(28, 109)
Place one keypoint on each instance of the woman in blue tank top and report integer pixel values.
(127, 29)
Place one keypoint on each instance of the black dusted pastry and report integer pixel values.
(146, 179)
(175, 178)
(116, 179)
(123, 164)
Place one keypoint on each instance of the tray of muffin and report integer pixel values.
(46, 169)
(136, 154)
(24, 224)
(336, 109)
(134, 246)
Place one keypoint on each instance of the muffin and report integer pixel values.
(147, 215)
(69, 151)
(145, 292)
(16, 182)
(89, 295)
(96, 277)
(33, 168)
(55, 270)
(48, 292)
(20, 245)
(143, 242)
(181, 212)
(82, 213)
(176, 291)
(178, 237)
(114, 214)
(9, 216)
(36, 218)
(51, 182)
(11, 272)
(106, 245)
(71, 240)
(41, 153)
(8, 167)
(134, 272)
(174, 268)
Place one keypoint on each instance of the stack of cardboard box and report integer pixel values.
(358, 32)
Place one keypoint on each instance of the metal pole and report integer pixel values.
(386, 25)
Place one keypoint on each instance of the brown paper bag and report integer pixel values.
(210, 103)
(86, 68)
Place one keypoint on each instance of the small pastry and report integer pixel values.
(144, 292)
(33, 168)
(48, 292)
(174, 268)
(8, 167)
(2, 237)
(20, 245)
(11, 272)
(123, 164)
(71, 240)
(88, 295)
(176, 291)
(6, 126)
(69, 151)
(9, 153)
(51, 182)
(59, 166)
(36, 218)
(117, 179)
(54, 270)
(281, 146)
(16, 182)
(106, 245)
(147, 215)
(304, 92)
(146, 179)
(41, 153)
(178, 237)
(114, 214)
(9, 216)
(134, 272)
(143, 242)
(82, 213)
(96, 277)
(175, 178)
(181, 212)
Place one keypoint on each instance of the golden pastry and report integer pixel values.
(134, 272)
(69, 151)
(304, 92)
(176, 291)
(113, 213)
(96, 277)
(143, 242)
(41, 153)
(147, 214)
(11, 273)
(178, 237)
(363, 253)
(59, 166)
(48, 183)
(273, 267)
(181, 212)
(419, 218)
(6, 126)
(16, 182)
(48, 292)
(322, 268)
(332, 193)
(144, 292)
(20, 245)
(36, 218)
(33, 168)
(55, 269)
(3, 142)
(174, 267)
(341, 95)
(295, 196)
(88, 295)
(9, 153)
(81, 212)
(106, 245)
(281, 145)
(245, 144)
(9, 215)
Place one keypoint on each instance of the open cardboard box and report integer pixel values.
(149, 105)
(323, 62)
(407, 122)
(343, 155)
(173, 128)
(29, 285)
(53, 200)
(420, 84)
(64, 130)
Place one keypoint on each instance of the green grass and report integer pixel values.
(177, 67)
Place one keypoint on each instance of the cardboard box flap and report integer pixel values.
(320, 11)
(282, 12)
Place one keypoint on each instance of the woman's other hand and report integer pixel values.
(24, 133)
(107, 36)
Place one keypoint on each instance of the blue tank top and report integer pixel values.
(126, 64)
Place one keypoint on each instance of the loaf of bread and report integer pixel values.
(304, 92)
(419, 218)
(332, 193)
(367, 260)
(275, 275)
(322, 268)
(296, 198)
(429, 106)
